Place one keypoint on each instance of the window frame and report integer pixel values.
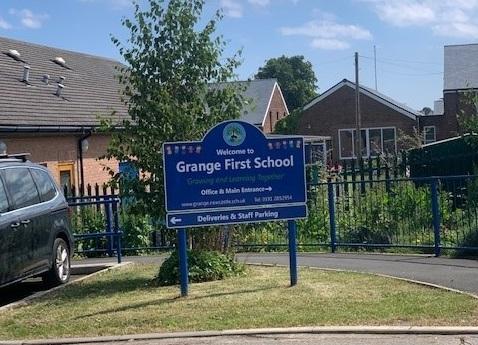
(367, 140)
(425, 134)
(70, 167)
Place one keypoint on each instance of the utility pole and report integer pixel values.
(358, 141)
(375, 65)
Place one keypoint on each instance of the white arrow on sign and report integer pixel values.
(175, 220)
(269, 189)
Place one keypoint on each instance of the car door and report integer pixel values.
(24, 198)
(45, 216)
(7, 238)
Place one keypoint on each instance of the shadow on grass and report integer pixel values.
(108, 287)
(164, 301)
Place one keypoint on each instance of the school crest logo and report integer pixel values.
(234, 134)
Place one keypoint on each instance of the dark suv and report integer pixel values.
(35, 237)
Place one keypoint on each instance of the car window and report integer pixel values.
(3, 199)
(22, 189)
(44, 184)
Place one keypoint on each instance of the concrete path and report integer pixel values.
(311, 339)
(457, 274)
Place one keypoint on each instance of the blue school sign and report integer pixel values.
(234, 175)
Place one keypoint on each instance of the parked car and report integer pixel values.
(35, 237)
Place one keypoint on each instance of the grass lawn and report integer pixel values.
(124, 302)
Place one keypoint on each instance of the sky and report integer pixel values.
(408, 35)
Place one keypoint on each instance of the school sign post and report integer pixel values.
(234, 175)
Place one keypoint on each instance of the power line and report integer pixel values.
(411, 74)
(405, 61)
(401, 65)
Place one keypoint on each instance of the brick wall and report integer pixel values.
(62, 149)
(337, 111)
(277, 110)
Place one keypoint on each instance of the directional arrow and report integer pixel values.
(175, 220)
(269, 189)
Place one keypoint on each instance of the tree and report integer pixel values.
(289, 124)
(468, 116)
(295, 76)
(426, 111)
(171, 60)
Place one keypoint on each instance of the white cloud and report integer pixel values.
(4, 24)
(232, 8)
(453, 18)
(404, 13)
(328, 34)
(329, 44)
(261, 3)
(29, 19)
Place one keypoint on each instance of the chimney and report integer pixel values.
(46, 79)
(59, 89)
(61, 80)
(26, 73)
(438, 108)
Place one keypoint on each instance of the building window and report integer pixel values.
(374, 141)
(346, 143)
(67, 180)
(429, 134)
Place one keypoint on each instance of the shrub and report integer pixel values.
(203, 266)
(137, 229)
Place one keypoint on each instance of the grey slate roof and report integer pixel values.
(388, 101)
(391, 100)
(260, 92)
(257, 94)
(91, 89)
(461, 66)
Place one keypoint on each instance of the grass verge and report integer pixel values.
(125, 302)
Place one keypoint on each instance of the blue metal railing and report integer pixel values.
(426, 214)
(111, 233)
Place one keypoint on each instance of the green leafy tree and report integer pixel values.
(296, 78)
(289, 124)
(172, 56)
(468, 115)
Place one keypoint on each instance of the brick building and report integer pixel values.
(333, 114)
(52, 102)
(268, 105)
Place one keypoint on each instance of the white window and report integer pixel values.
(374, 141)
(429, 134)
(346, 143)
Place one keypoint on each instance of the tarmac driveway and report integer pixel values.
(457, 274)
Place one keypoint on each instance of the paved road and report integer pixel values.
(453, 273)
(313, 339)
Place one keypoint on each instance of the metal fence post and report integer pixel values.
(116, 228)
(333, 234)
(436, 215)
(183, 261)
(292, 227)
(109, 225)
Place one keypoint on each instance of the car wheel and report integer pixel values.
(60, 271)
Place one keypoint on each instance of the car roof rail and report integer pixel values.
(19, 156)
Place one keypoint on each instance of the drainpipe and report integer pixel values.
(80, 153)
